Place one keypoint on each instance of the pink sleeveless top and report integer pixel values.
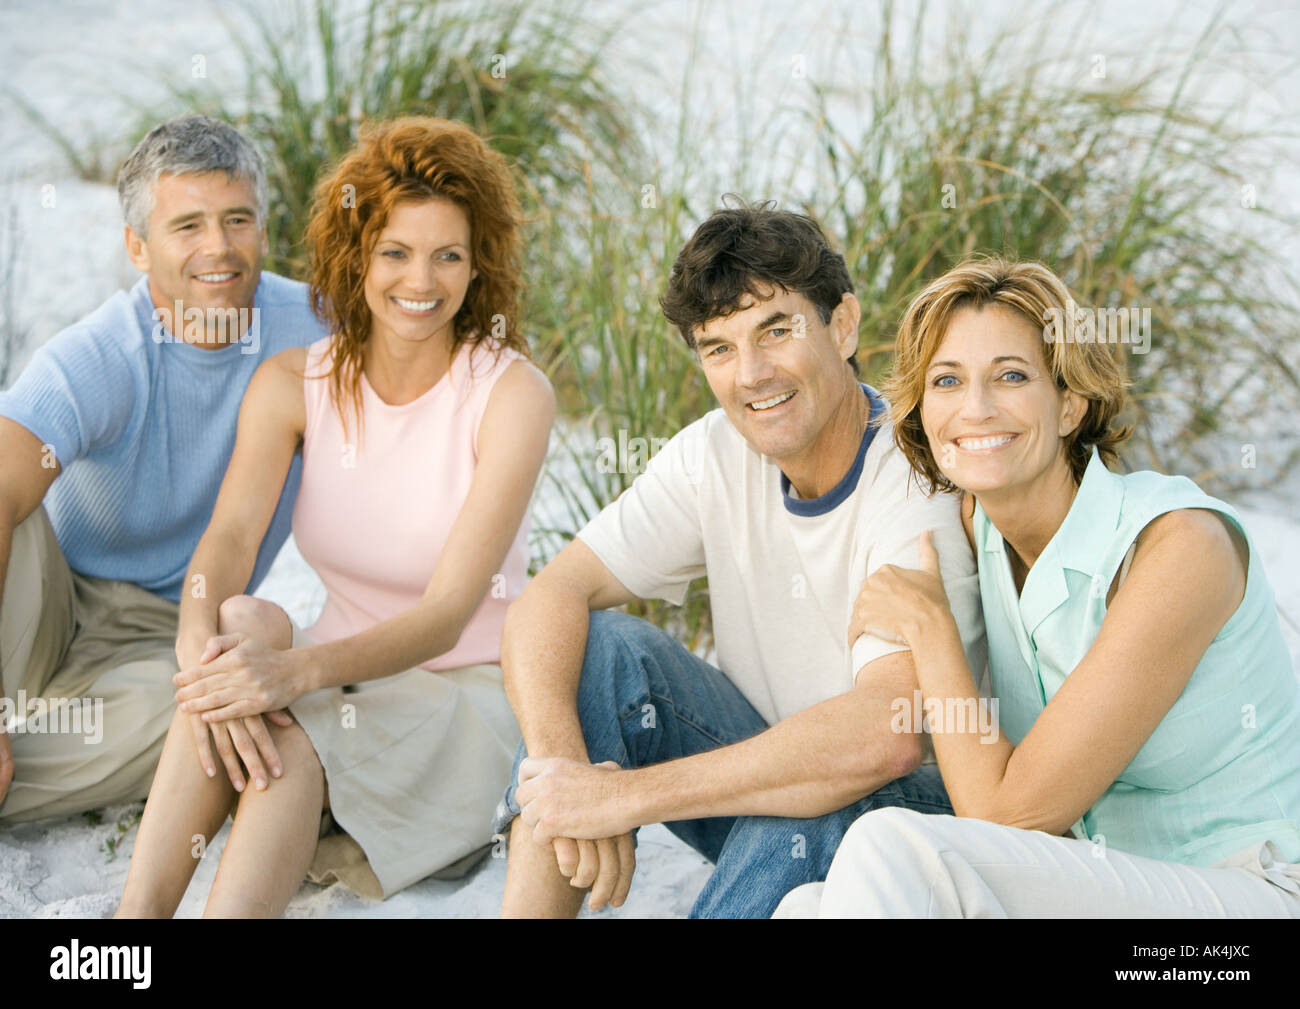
(371, 517)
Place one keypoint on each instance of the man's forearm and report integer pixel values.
(815, 762)
(542, 649)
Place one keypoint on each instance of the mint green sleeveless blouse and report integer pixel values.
(1222, 769)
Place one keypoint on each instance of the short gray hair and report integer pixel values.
(187, 145)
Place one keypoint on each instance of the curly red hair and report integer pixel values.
(412, 158)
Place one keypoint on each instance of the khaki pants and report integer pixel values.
(98, 656)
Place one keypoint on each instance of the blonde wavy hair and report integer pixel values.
(1094, 371)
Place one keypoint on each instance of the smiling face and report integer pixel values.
(420, 271)
(994, 415)
(778, 372)
(205, 243)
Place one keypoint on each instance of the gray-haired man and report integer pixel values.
(113, 443)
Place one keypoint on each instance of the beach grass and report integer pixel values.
(1123, 166)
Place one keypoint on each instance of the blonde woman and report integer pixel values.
(1148, 758)
(422, 427)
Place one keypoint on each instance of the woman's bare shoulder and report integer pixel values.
(526, 385)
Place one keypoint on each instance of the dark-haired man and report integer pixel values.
(113, 442)
(786, 497)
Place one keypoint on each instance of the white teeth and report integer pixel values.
(976, 444)
(214, 278)
(767, 404)
(416, 306)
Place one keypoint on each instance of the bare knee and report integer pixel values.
(257, 618)
(302, 770)
(295, 748)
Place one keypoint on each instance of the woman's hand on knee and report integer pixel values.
(238, 676)
(243, 744)
(253, 741)
(205, 737)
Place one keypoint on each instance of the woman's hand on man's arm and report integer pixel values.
(1186, 581)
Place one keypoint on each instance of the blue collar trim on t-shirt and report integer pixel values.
(832, 498)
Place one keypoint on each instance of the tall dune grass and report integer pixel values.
(924, 147)
(1136, 194)
(526, 75)
(1133, 192)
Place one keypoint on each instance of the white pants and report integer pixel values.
(897, 863)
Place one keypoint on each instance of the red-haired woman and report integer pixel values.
(422, 427)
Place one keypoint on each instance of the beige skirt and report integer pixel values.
(415, 764)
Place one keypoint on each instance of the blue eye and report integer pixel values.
(1020, 374)
(939, 382)
(455, 257)
(393, 253)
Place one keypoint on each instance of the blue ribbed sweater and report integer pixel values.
(143, 426)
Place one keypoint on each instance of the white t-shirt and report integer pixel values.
(783, 573)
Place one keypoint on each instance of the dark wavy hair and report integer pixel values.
(746, 249)
(412, 158)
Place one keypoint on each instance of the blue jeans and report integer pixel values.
(644, 699)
